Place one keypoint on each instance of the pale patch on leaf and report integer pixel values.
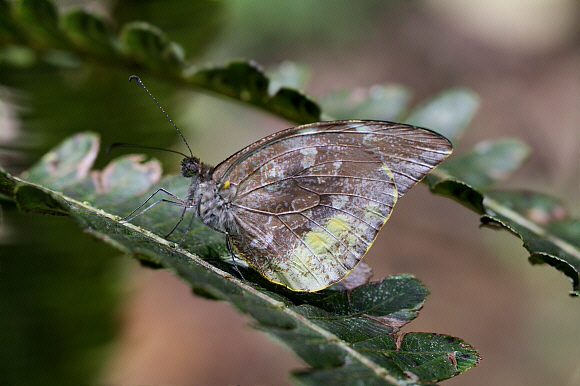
(395, 323)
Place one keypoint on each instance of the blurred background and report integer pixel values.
(82, 313)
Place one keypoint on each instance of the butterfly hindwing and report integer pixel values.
(310, 200)
(320, 221)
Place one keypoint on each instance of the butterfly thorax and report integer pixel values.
(210, 200)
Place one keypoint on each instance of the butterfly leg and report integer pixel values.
(151, 206)
(233, 255)
(130, 216)
(188, 228)
(228, 243)
(177, 224)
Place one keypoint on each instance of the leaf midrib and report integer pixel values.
(275, 304)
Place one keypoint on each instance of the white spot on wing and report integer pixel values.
(262, 242)
(271, 170)
(307, 130)
(362, 129)
(308, 157)
(339, 201)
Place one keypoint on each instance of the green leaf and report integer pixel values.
(289, 75)
(68, 163)
(9, 31)
(294, 106)
(19, 57)
(488, 163)
(400, 298)
(149, 46)
(89, 31)
(457, 190)
(430, 357)
(195, 25)
(247, 82)
(40, 20)
(353, 373)
(383, 102)
(461, 178)
(330, 329)
(126, 177)
(33, 200)
(7, 183)
(239, 79)
(556, 244)
(423, 357)
(537, 207)
(448, 113)
(528, 215)
(144, 47)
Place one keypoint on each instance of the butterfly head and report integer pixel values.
(193, 167)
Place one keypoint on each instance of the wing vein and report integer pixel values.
(350, 214)
(333, 236)
(305, 244)
(297, 149)
(308, 176)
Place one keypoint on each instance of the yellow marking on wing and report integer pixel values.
(373, 209)
(392, 176)
(319, 241)
(303, 259)
(339, 224)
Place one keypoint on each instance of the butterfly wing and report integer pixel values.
(310, 200)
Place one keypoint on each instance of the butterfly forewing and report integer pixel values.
(310, 200)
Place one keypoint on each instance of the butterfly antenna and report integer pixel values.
(162, 109)
(115, 145)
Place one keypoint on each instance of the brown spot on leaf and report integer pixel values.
(543, 217)
(399, 336)
(412, 376)
(453, 358)
(394, 323)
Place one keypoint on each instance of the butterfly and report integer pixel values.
(302, 206)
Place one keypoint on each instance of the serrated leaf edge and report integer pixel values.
(332, 338)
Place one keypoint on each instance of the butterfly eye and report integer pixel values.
(189, 166)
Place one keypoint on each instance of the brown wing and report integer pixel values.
(310, 200)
